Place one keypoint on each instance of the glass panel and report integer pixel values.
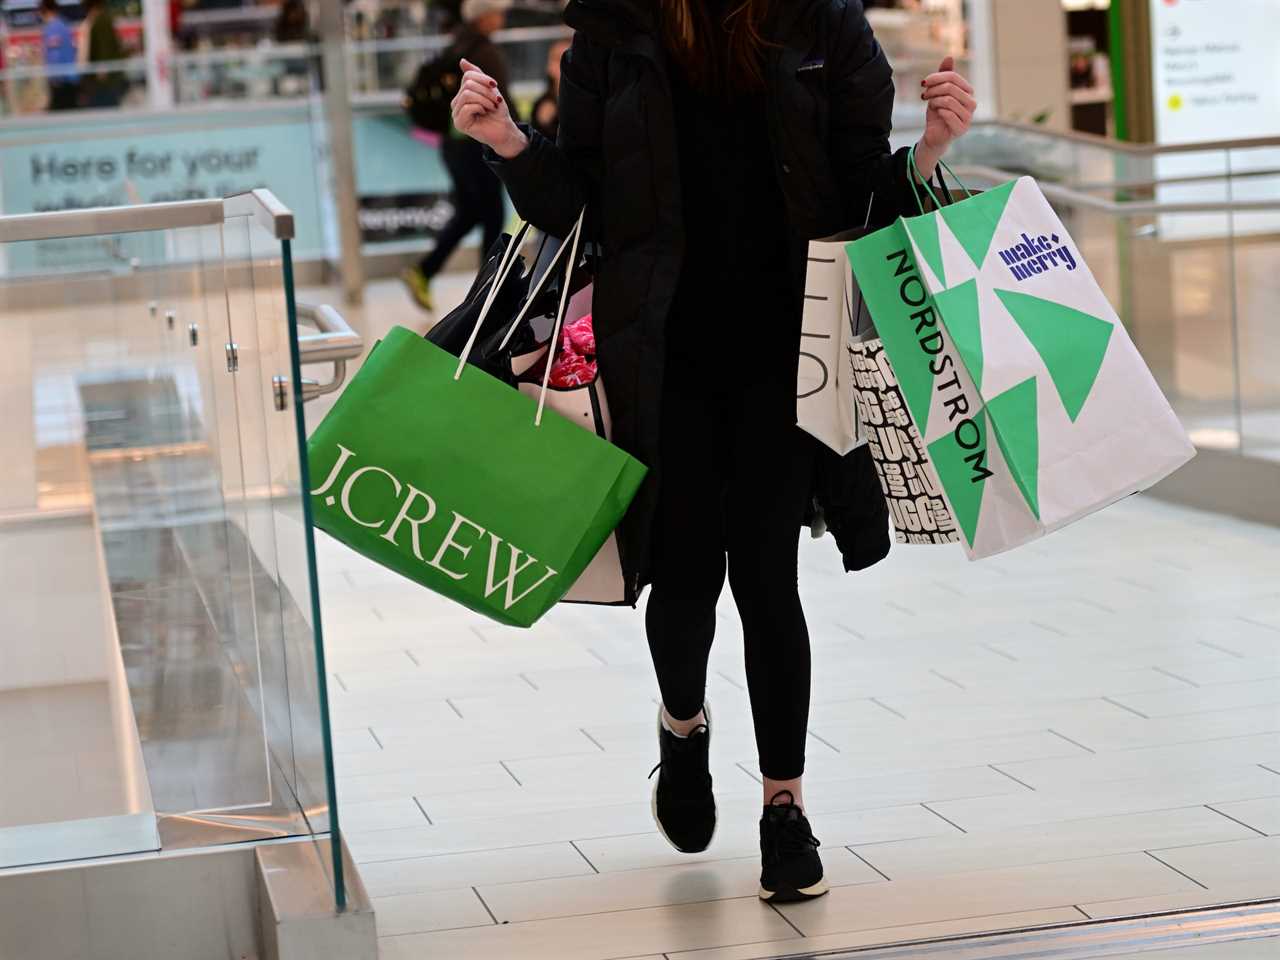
(1256, 254)
(301, 686)
(1179, 301)
(156, 576)
(74, 384)
(121, 441)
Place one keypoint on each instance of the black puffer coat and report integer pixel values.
(830, 98)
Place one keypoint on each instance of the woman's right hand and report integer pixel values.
(481, 113)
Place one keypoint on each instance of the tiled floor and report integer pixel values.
(1089, 726)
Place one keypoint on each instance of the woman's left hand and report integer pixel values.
(949, 107)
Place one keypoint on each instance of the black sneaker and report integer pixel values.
(791, 868)
(684, 807)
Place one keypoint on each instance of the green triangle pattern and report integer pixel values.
(1071, 344)
(959, 310)
(963, 478)
(916, 382)
(974, 220)
(924, 231)
(1013, 414)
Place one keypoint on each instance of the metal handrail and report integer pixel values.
(94, 221)
(439, 41)
(1136, 149)
(335, 343)
(262, 205)
(1055, 191)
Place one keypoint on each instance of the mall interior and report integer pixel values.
(271, 745)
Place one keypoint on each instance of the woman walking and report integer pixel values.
(477, 194)
(708, 140)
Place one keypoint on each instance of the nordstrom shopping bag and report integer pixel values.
(436, 469)
(911, 488)
(833, 318)
(1033, 403)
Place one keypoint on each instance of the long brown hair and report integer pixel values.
(723, 53)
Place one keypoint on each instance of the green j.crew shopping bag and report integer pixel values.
(452, 478)
(1035, 407)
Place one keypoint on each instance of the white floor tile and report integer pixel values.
(652, 887)
(1219, 696)
(437, 910)
(861, 793)
(1262, 814)
(1231, 670)
(380, 814)
(511, 864)
(1165, 903)
(1042, 843)
(885, 935)
(1172, 789)
(611, 770)
(627, 933)
(1203, 760)
(961, 895)
(865, 753)
(423, 780)
(1256, 861)
(737, 835)
(461, 836)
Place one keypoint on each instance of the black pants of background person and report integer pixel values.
(64, 96)
(737, 473)
(477, 201)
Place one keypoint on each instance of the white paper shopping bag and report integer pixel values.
(1035, 406)
(826, 404)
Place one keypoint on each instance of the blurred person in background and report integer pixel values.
(292, 23)
(546, 110)
(477, 192)
(449, 11)
(58, 41)
(100, 43)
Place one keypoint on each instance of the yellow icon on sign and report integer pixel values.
(1175, 102)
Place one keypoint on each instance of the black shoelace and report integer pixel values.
(685, 753)
(788, 835)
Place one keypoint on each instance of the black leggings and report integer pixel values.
(736, 475)
(477, 201)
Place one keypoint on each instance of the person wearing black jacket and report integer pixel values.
(477, 193)
(708, 140)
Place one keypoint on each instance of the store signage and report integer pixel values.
(403, 216)
(1216, 76)
(69, 173)
(1216, 69)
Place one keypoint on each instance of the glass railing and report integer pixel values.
(1185, 241)
(381, 69)
(161, 665)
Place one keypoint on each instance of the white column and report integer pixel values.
(982, 59)
(338, 117)
(158, 49)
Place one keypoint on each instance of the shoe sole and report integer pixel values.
(413, 295)
(791, 895)
(653, 794)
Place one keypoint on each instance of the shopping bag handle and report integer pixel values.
(499, 278)
(560, 312)
(542, 280)
(916, 181)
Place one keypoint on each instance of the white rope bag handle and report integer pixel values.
(500, 277)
